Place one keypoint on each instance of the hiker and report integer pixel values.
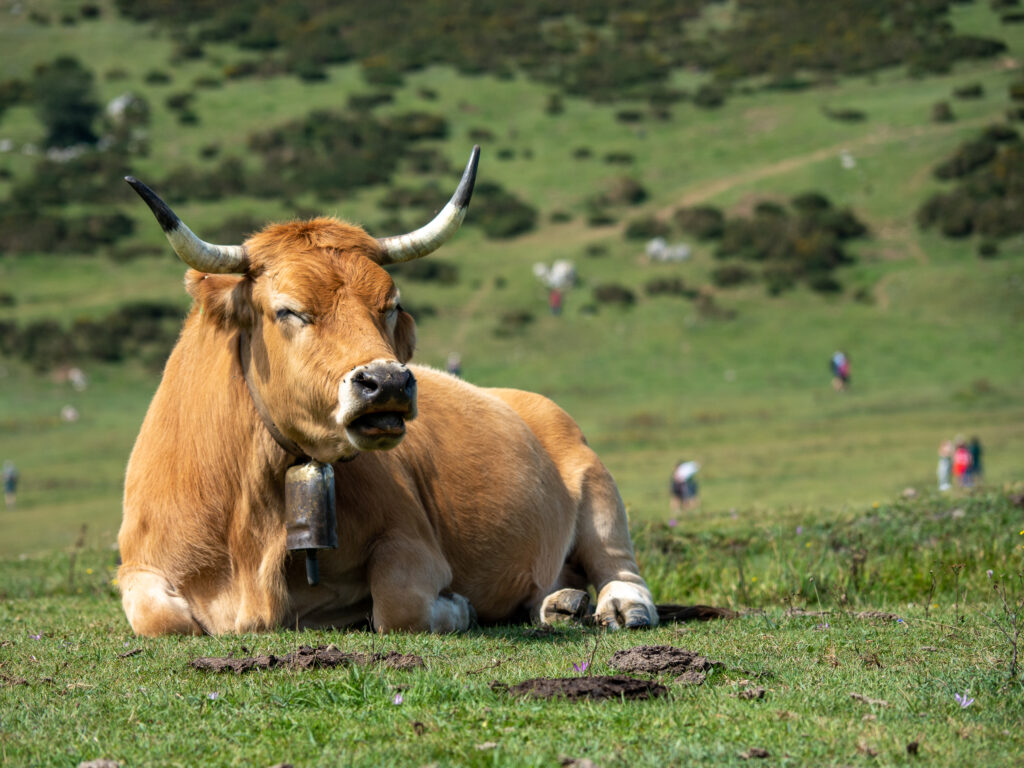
(962, 464)
(840, 366)
(454, 365)
(684, 485)
(945, 469)
(10, 483)
(975, 449)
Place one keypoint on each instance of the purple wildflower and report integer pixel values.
(398, 699)
(581, 668)
(213, 696)
(36, 637)
(989, 572)
(963, 701)
(672, 522)
(823, 625)
(799, 530)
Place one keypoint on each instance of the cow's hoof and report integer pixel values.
(621, 604)
(564, 605)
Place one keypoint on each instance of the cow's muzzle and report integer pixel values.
(375, 401)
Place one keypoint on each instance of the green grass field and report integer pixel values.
(935, 342)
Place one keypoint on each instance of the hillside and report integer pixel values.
(732, 376)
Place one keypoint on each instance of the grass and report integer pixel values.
(84, 698)
(791, 476)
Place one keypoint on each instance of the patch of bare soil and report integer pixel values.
(582, 688)
(307, 658)
(669, 612)
(691, 668)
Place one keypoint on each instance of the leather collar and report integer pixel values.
(245, 358)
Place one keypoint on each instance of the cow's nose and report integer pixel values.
(380, 383)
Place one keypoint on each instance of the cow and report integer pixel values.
(456, 504)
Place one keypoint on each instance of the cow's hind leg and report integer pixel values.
(605, 553)
(153, 606)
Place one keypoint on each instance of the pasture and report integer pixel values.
(803, 524)
(866, 630)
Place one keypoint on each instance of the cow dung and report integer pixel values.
(583, 688)
(691, 668)
(307, 658)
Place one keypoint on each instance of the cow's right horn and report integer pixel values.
(198, 254)
(432, 236)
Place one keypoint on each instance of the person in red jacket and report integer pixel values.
(962, 463)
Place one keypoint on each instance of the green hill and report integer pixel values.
(734, 377)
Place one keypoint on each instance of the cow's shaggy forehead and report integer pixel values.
(312, 260)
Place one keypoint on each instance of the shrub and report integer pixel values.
(513, 323)
(845, 115)
(704, 222)
(646, 228)
(729, 275)
(970, 91)
(668, 286)
(988, 249)
(709, 96)
(942, 112)
(500, 214)
(970, 156)
(623, 191)
(619, 158)
(65, 100)
(614, 293)
(427, 271)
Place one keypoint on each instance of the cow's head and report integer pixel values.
(321, 335)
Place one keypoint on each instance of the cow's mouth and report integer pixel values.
(382, 426)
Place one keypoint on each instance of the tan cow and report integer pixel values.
(453, 501)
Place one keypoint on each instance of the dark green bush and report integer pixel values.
(646, 228)
(614, 293)
(704, 222)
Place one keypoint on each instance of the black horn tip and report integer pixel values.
(465, 189)
(167, 219)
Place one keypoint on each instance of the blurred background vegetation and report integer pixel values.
(845, 175)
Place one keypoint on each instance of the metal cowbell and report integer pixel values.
(310, 517)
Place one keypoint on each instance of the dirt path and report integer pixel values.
(884, 135)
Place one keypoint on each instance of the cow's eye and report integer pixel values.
(284, 315)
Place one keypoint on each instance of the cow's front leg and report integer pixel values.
(409, 585)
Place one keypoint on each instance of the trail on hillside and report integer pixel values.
(884, 135)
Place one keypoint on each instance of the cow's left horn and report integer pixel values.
(432, 236)
(198, 254)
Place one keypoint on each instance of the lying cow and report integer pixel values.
(488, 505)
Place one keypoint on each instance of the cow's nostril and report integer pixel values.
(409, 385)
(366, 382)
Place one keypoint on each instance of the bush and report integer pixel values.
(668, 286)
(845, 115)
(65, 100)
(709, 96)
(646, 228)
(614, 293)
(704, 222)
(970, 91)
(499, 213)
(623, 191)
(942, 112)
(970, 156)
(513, 323)
(427, 271)
(729, 275)
(988, 249)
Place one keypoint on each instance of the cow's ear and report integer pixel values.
(225, 300)
(405, 336)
